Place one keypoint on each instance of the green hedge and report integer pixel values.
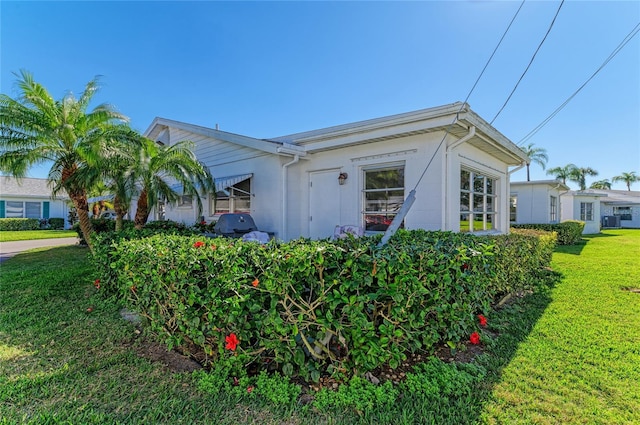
(308, 307)
(19, 224)
(569, 232)
(56, 223)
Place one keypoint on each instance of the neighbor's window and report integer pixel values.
(234, 199)
(623, 212)
(15, 209)
(586, 211)
(477, 201)
(383, 196)
(513, 209)
(553, 209)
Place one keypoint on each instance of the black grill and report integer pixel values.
(234, 225)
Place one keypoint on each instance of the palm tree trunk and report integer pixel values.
(142, 210)
(79, 199)
(120, 212)
(528, 178)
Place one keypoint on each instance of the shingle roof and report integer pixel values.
(27, 187)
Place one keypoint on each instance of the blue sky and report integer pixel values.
(266, 69)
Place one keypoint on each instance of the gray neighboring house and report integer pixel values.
(621, 208)
(31, 198)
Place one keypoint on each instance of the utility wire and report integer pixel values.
(623, 43)
(446, 132)
(530, 62)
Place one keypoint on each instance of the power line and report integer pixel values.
(469, 95)
(623, 43)
(530, 62)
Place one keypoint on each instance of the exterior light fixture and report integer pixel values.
(342, 177)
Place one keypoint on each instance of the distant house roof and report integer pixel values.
(27, 187)
(619, 197)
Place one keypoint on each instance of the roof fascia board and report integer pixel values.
(501, 140)
(249, 142)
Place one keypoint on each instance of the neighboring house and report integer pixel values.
(536, 202)
(602, 208)
(583, 205)
(30, 198)
(306, 184)
(624, 205)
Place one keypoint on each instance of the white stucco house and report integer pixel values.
(536, 202)
(605, 208)
(305, 184)
(30, 198)
(583, 205)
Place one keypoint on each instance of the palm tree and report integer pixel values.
(601, 184)
(579, 175)
(627, 178)
(36, 129)
(562, 173)
(159, 170)
(535, 154)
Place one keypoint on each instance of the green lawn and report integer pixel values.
(581, 362)
(27, 235)
(568, 355)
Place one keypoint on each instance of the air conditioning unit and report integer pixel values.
(610, 221)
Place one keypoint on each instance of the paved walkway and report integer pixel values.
(9, 249)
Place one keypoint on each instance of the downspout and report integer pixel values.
(295, 159)
(447, 162)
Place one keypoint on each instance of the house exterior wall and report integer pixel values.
(534, 202)
(227, 159)
(571, 210)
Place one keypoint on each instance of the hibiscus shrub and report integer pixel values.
(310, 307)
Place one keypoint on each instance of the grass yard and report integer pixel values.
(581, 362)
(569, 355)
(27, 235)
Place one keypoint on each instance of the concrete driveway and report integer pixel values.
(9, 249)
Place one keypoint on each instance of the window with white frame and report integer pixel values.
(513, 208)
(19, 209)
(623, 212)
(234, 199)
(586, 211)
(477, 201)
(383, 196)
(553, 209)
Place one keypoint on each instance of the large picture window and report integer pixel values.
(586, 211)
(477, 201)
(383, 196)
(234, 199)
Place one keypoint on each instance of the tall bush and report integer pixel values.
(19, 224)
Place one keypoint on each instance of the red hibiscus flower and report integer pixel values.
(198, 244)
(97, 283)
(475, 338)
(482, 319)
(255, 283)
(249, 389)
(232, 342)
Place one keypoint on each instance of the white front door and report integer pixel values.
(324, 203)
